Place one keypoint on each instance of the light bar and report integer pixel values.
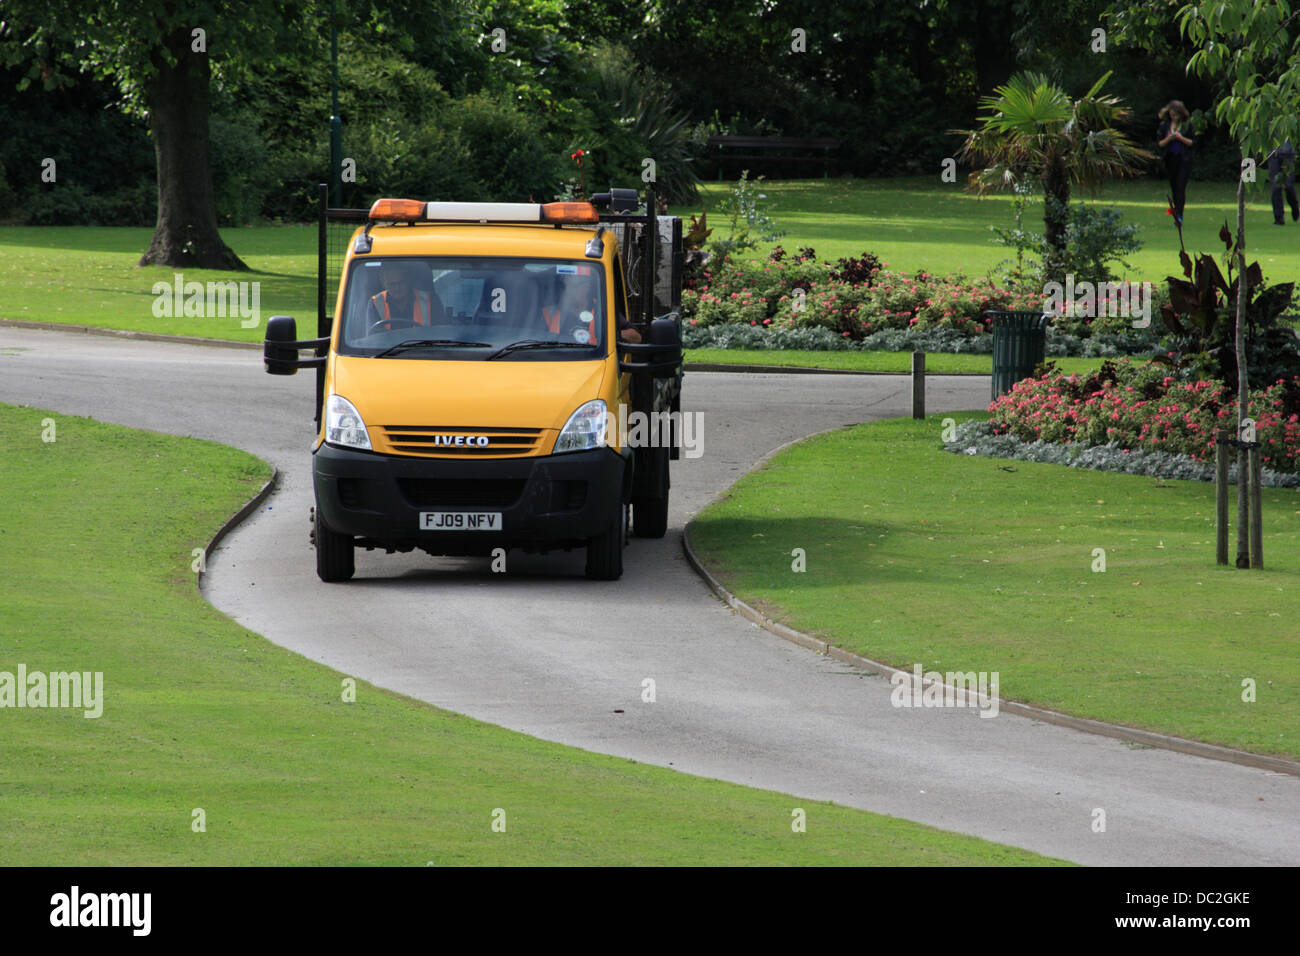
(570, 212)
(397, 210)
(485, 211)
(411, 210)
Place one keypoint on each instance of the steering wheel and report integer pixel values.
(395, 323)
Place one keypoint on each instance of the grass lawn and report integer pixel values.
(95, 554)
(936, 363)
(88, 275)
(922, 223)
(972, 564)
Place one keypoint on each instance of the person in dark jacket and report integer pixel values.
(1176, 139)
(1281, 176)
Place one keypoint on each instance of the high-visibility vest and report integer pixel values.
(419, 307)
(553, 322)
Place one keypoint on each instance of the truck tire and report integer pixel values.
(650, 512)
(335, 553)
(650, 517)
(605, 550)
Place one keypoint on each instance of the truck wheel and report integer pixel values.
(335, 554)
(605, 550)
(650, 517)
(650, 514)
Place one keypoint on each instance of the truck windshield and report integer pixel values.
(474, 308)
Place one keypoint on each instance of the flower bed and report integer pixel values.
(1144, 407)
(858, 299)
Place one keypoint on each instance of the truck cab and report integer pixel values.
(476, 379)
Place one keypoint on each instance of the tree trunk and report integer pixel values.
(1056, 214)
(1243, 410)
(186, 230)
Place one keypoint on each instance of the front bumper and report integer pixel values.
(549, 501)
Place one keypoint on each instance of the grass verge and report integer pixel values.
(199, 713)
(970, 564)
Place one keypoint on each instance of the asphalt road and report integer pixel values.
(543, 651)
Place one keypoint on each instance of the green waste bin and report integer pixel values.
(1019, 344)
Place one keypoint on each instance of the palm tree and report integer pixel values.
(1031, 129)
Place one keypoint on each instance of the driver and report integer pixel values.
(401, 302)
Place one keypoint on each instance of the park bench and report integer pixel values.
(775, 150)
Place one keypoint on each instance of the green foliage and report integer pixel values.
(1096, 237)
(1031, 129)
(74, 205)
(241, 170)
(508, 148)
(748, 221)
(1201, 317)
(1256, 48)
(110, 181)
(634, 117)
(1027, 243)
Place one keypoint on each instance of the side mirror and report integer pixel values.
(281, 358)
(667, 333)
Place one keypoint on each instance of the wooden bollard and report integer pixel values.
(918, 384)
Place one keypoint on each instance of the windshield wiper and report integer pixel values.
(432, 344)
(538, 344)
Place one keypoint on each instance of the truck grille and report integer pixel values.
(433, 441)
(458, 492)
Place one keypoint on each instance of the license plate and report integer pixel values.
(460, 521)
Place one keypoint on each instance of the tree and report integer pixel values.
(157, 52)
(1252, 51)
(1255, 50)
(1030, 128)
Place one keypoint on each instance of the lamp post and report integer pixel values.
(336, 124)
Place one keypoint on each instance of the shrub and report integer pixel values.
(747, 216)
(1095, 237)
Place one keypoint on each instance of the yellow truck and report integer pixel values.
(478, 374)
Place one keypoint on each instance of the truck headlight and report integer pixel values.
(585, 428)
(343, 424)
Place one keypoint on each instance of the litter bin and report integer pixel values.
(1019, 344)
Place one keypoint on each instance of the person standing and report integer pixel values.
(1176, 139)
(1281, 176)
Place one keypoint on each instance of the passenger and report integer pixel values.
(574, 315)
